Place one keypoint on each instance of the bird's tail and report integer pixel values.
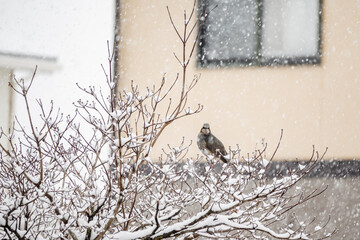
(222, 158)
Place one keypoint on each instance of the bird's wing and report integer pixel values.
(216, 145)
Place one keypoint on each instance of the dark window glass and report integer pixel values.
(260, 32)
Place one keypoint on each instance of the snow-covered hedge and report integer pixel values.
(62, 180)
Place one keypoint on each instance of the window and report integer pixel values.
(260, 32)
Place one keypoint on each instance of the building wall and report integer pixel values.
(315, 105)
(5, 102)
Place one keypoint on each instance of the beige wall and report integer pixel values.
(313, 104)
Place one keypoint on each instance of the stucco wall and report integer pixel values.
(313, 104)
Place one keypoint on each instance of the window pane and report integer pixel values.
(231, 30)
(290, 28)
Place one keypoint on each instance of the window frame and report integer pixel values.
(258, 60)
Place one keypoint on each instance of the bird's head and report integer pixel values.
(205, 129)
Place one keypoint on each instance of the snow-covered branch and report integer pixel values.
(62, 180)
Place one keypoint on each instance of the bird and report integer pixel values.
(209, 144)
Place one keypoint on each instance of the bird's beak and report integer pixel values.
(205, 131)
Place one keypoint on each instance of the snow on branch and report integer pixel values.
(62, 180)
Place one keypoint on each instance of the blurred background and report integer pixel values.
(264, 65)
(67, 40)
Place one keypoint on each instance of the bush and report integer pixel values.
(58, 181)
